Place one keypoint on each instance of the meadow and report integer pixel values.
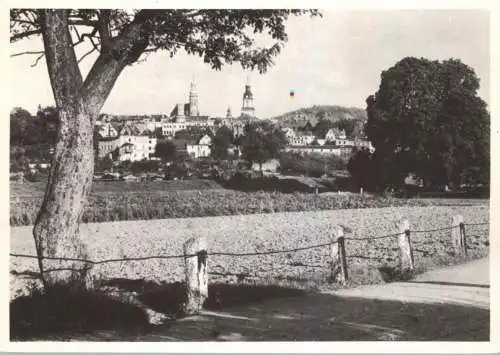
(368, 260)
(122, 201)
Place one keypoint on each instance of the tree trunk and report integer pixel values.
(56, 229)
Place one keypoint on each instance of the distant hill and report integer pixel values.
(313, 114)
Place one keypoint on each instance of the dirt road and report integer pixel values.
(466, 284)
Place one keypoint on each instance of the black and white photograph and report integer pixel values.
(249, 174)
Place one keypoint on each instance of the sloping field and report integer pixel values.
(262, 232)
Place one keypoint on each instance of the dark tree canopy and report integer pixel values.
(426, 118)
(165, 150)
(217, 36)
(261, 142)
(26, 129)
(361, 169)
(221, 142)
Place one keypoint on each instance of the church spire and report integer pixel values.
(193, 99)
(247, 109)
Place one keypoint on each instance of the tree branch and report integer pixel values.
(81, 22)
(65, 76)
(124, 49)
(104, 28)
(27, 53)
(25, 34)
(82, 37)
(192, 13)
(38, 59)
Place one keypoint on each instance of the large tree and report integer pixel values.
(222, 141)
(427, 119)
(261, 142)
(121, 38)
(165, 150)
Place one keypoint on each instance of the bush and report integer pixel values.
(313, 164)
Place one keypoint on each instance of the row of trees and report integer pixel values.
(32, 137)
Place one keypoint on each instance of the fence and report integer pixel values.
(196, 254)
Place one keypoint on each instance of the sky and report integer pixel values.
(333, 60)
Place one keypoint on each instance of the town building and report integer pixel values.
(136, 148)
(201, 147)
(247, 108)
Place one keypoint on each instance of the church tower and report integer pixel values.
(247, 108)
(193, 100)
(228, 113)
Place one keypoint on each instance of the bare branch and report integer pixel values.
(38, 59)
(25, 34)
(104, 28)
(27, 53)
(192, 13)
(26, 22)
(80, 22)
(82, 37)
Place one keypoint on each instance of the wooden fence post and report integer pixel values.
(464, 238)
(196, 268)
(405, 248)
(458, 235)
(339, 261)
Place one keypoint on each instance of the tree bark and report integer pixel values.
(56, 230)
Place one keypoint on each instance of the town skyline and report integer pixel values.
(339, 76)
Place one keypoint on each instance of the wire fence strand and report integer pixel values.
(218, 253)
(477, 224)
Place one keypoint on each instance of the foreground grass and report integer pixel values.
(177, 199)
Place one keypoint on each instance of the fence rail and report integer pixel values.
(256, 253)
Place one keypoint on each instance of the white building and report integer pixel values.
(106, 130)
(136, 148)
(201, 148)
(301, 139)
(334, 134)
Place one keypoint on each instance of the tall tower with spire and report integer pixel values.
(193, 100)
(247, 108)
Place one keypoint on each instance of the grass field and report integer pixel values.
(247, 233)
(119, 201)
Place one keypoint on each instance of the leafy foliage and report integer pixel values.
(165, 150)
(362, 169)
(103, 164)
(217, 36)
(312, 164)
(32, 137)
(222, 141)
(261, 142)
(192, 133)
(427, 119)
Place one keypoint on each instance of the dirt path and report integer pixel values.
(447, 304)
(466, 284)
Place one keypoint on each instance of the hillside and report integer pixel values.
(313, 114)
